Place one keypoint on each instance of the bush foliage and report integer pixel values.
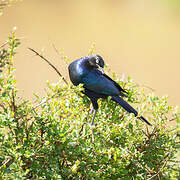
(52, 139)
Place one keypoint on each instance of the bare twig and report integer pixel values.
(145, 133)
(55, 49)
(4, 44)
(82, 127)
(2, 106)
(3, 4)
(49, 64)
(13, 103)
(60, 55)
(7, 162)
(148, 87)
(174, 118)
(124, 85)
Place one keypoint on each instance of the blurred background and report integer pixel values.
(138, 38)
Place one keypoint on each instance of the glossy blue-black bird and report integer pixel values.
(89, 72)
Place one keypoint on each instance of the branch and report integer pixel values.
(56, 49)
(165, 162)
(13, 103)
(148, 87)
(3, 44)
(49, 64)
(7, 162)
(174, 118)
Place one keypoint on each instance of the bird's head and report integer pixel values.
(97, 62)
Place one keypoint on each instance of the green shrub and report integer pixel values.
(52, 139)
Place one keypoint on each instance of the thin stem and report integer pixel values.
(49, 64)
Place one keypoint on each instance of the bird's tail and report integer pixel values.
(128, 108)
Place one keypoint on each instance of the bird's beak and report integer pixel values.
(101, 69)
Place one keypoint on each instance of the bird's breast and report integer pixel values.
(77, 72)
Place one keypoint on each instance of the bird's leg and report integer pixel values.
(95, 107)
(92, 110)
(92, 122)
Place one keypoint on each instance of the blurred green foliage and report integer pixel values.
(172, 2)
(51, 137)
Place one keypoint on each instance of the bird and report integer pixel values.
(89, 72)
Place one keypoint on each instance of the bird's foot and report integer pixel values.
(94, 115)
(92, 125)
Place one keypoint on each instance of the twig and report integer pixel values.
(124, 85)
(2, 106)
(160, 168)
(82, 127)
(55, 49)
(137, 163)
(13, 103)
(34, 108)
(42, 137)
(59, 54)
(7, 162)
(49, 64)
(4, 44)
(3, 4)
(148, 87)
(174, 118)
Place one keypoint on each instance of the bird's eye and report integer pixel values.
(97, 61)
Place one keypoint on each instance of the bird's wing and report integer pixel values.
(100, 83)
(115, 83)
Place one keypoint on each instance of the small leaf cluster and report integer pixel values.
(51, 138)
